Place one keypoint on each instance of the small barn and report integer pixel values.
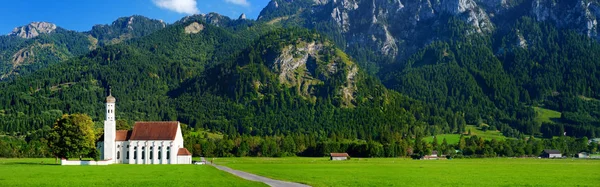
(583, 155)
(551, 153)
(339, 156)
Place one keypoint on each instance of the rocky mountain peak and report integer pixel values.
(243, 16)
(33, 30)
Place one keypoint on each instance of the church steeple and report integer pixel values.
(110, 98)
(110, 106)
(109, 151)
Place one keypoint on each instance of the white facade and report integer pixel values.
(339, 158)
(554, 155)
(122, 150)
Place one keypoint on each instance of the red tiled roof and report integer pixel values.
(339, 155)
(163, 130)
(183, 151)
(123, 135)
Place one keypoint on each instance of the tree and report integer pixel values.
(72, 136)
(444, 149)
(434, 144)
(462, 143)
(123, 125)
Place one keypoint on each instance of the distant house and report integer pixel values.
(339, 156)
(551, 153)
(433, 156)
(583, 155)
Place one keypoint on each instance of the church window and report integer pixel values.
(143, 153)
(151, 155)
(168, 151)
(135, 155)
(118, 155)
(127, 156)
(159, 156)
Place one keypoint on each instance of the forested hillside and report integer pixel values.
(40, 44)
(491, 60)
(308, 77)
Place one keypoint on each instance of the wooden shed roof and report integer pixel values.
(551, 151)
(339, 154)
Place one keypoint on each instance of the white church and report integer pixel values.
(148, 142)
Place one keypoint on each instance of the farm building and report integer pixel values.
(551, 153)
(339, 156)
(433, 156)
(583, 155)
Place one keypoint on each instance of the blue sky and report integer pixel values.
(81, 15)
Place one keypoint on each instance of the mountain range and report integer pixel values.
(357, 68)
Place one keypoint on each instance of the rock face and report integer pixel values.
(125, 28)
(194, 28)
(395, 29)
(33, 30)
(392, 28)
(579, 15)
(211, 18)
(243, 16)
(303, 66)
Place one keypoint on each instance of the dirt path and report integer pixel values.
(253, 177)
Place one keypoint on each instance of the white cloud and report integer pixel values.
(239, 2)
(179, 6)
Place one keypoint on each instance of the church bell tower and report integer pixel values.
(110, 129)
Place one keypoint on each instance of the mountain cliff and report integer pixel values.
(45, 43)
(33, 29)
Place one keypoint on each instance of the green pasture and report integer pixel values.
(454, 138)
(406, 172)
(546, 115)
(43, 172)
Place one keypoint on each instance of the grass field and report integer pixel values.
(29, 172)
(454, 138)
(546, 115)
(405, 172)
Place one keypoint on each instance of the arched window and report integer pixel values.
(151, 155)
(127, 156)
(168, 151)
(143, 153)
(159, 153)
(135, 152)
(118, 155)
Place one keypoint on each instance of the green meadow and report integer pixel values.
(454, 138)
(406, 172)
(43, 172)
(546, 115)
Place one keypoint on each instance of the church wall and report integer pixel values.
(184, 159)
(152, 152)
(121, 152)
(65, 162)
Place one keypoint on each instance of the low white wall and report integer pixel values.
(184, 159)
(84, 162)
